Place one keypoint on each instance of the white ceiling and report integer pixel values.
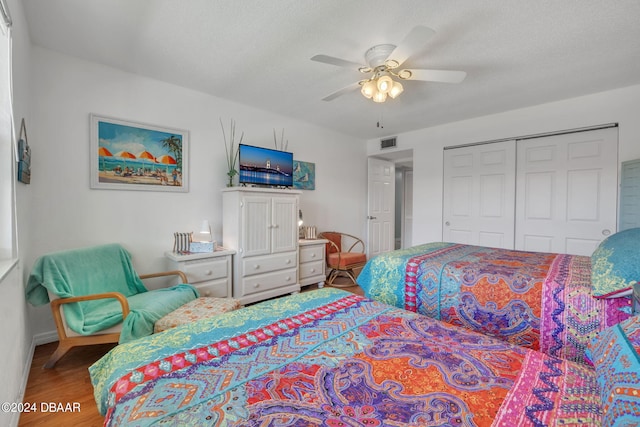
(516, 53)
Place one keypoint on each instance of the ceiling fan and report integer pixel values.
(383, 65)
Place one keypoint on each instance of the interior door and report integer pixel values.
(381, 206)
(567, 191)
(479, 195)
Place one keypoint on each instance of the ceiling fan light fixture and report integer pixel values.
(396, 90)
(384, 84)
(369, 89)
(379, 97)
(391, 63)
(405, 74)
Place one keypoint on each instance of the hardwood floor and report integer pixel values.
(69, 383)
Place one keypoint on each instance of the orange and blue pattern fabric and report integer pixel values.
(537, 300)
(329, 358)
(616, 356)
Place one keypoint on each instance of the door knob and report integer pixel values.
(447, 223)
(606, 232)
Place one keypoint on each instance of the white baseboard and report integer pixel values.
(15, 419)
(45, 338)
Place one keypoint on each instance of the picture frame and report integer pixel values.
(127, 155)
(304, 175)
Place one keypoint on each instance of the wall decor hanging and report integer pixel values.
(133, 156)
(24, 155)
(304, 175)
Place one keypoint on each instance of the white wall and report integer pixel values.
(16, 348)
(67, 213)
(620, 106)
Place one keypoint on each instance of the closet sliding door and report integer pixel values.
(566, 190)
(479, 194)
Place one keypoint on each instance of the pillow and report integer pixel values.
(614, 352)
(615, 264)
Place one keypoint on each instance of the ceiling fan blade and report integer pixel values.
(336, 61)
(444, 76)
(416, 38)
(334, 95)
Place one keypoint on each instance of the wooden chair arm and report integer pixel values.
(183, 276)
(357, 241)
(117, 295)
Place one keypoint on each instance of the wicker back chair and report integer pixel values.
(344, 253)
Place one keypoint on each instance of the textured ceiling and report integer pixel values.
(516, 53)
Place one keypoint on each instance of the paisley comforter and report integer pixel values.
(329, 358)
(536, 300)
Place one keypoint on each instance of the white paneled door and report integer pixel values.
(567, 191)
(381, 209)
(479, 192)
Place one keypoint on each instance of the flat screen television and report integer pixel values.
(265, 167)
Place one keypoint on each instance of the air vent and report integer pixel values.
(388, 143)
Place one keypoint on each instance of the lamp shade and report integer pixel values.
(396, 89)
(205, 228)
(379, 97)
(368, 89)
(384, 84)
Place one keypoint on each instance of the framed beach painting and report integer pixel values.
(304, 175)
(134, 156)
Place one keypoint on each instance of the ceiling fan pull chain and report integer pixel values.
(380, 123)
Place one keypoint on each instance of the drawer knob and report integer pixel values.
(288, 278)
(313, 270)
(208, 273)
(288, 261)
(256, 285)
(207, 293)
(256, 267)
(313, 255)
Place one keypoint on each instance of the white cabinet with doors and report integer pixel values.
(261, 225)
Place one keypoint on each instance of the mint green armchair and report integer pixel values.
(97, 297)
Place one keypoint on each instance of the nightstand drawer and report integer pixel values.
(264, 282)
(215, 288)
(202, 270)
(265, 264)
(310, 269)
(311, 253)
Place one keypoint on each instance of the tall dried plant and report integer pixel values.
(284, 145)
(231, 149)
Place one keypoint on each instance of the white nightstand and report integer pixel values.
(209, 272)
(312, 262)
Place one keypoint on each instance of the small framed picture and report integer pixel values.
(304, 175)
(127, 155)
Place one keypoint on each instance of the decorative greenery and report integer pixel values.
(231, 149)
(283, 144)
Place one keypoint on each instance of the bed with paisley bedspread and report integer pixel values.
(331, 358)
(541, 301)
